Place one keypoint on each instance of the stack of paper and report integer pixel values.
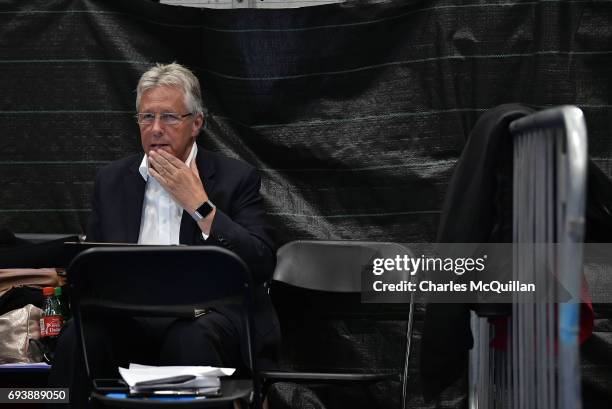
(174, 380)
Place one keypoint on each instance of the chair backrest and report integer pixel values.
(158, 281)
(36, 238)
(334, 266)
(35, 251)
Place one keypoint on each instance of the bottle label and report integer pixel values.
(52, 325)
(42, 328)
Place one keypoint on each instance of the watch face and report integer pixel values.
(205, 209)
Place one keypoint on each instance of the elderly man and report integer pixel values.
(177, 193)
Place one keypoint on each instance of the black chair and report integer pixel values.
(322, 281)
(34, 250)
(161, 281)
(37, 238)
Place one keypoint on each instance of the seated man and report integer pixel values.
(179, 193)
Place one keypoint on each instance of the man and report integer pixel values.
(179, 193)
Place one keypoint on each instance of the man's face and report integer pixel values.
(175, 139)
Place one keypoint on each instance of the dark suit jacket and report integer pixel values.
(477, 209)
(239, 225)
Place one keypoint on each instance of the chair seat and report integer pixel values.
(327, 376)
(231, 390)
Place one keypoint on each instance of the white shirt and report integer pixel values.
(161, 214)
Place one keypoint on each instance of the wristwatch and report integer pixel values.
(204, 210)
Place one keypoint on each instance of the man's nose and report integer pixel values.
(157, 124)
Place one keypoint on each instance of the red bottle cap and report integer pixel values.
(48, 291)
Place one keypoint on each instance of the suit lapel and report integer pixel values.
(134, 190)
(206, 169)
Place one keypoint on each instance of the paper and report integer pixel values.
(205, 376)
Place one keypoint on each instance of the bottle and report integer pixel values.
(52, 320)
(62, 306)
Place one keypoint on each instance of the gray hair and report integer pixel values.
(174, 75)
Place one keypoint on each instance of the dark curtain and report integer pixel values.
(355, 114)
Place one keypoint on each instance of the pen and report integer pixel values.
(170, 380)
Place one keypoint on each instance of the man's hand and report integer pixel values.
(181, 181)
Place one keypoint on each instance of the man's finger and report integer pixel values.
(176, 162)
(157, 176)
(156, 166)
(154, 160)
(160, 163)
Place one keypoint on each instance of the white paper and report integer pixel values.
(206, 376)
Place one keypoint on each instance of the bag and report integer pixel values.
(19, 334)
(42, 277)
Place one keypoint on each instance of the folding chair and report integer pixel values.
(35, 238)
(34, 250)
(162, 281)
(549, 191)
(315, 281)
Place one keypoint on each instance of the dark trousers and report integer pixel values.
(207, 340)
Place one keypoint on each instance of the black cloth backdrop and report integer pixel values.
(355, 114)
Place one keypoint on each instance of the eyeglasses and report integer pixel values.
(167, 118)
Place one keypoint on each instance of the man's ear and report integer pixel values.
(197, 124)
